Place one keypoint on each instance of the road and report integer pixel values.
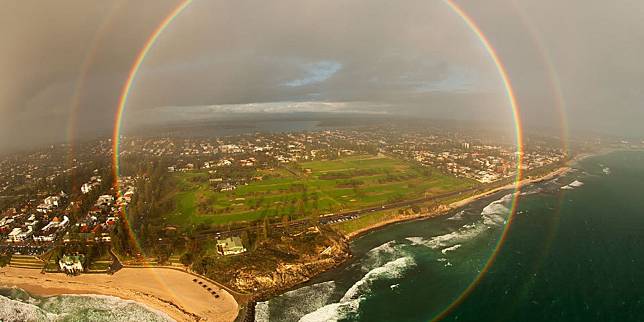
(336, 217)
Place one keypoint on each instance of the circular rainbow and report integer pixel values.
(469, 22)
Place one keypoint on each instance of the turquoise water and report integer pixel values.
(575, 252)
(18, 305)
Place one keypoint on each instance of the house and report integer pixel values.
(44, 238)
(94, 182)
(19, 234)
(52, 201)
(44, 208)
(56, 224)
(71, 264)
(105, 200)
(49, 204)
(230, 246)
(226, 187)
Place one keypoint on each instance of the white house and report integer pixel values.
(71, 264)
(18, 234)
(105, 200)
(230, 246)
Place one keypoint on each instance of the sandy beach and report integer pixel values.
(170, 291)
(442, 210)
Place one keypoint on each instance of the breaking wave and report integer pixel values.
(493, 215)
(350, 303)
(380, 255)
(457, 216)
(449, 249)
(461, 235)
(573, 185)
(18, 305)
(392, 269)
(532, 191)
(333, 312)
(296, 303)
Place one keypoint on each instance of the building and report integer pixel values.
(19, 234)
(230, 246)
(71, 264)
(56, 224)
(52, 201)
(105, 200)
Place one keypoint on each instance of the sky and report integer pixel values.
(64, 62)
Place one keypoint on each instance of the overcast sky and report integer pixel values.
(64, 62)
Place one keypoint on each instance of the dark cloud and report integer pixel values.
(412, 57)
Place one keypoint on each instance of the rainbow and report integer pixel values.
(553, 76)
(79, 86)
(127, 87)
(125, 91)
(469, 22)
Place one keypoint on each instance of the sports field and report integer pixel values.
(317, 187)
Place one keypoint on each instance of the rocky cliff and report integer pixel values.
(281, 262)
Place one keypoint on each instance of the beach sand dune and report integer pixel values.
(171, 291)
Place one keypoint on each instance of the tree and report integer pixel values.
(315, 217)
(265, 228)
(186, 259)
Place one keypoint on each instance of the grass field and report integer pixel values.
(310, 187)
(364, 221)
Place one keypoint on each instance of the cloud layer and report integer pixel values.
(64, 63)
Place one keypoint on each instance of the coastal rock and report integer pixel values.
(282, 262)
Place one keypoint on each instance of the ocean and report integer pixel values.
(18, 305)
(574, 252)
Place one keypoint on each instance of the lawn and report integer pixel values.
(364, 221)
(308, 187)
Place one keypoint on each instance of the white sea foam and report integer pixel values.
(576, 184)
(86, 306)
(333, 312)
(350, 302)
(457, 216)
(416, 240)
(573, 185)
(392, 269)
(296, 303)
(493, 215)
(606, 170)
(380, 255)
(13, 310)
(494, 219)
(262, 312)
(459, 236)
(532, 192)
(449, 249)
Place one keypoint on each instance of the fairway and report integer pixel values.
(317, 187)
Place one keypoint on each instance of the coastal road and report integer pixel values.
(336, 217)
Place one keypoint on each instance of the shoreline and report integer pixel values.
(170, 292)
(441, 211)
(185, 308)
